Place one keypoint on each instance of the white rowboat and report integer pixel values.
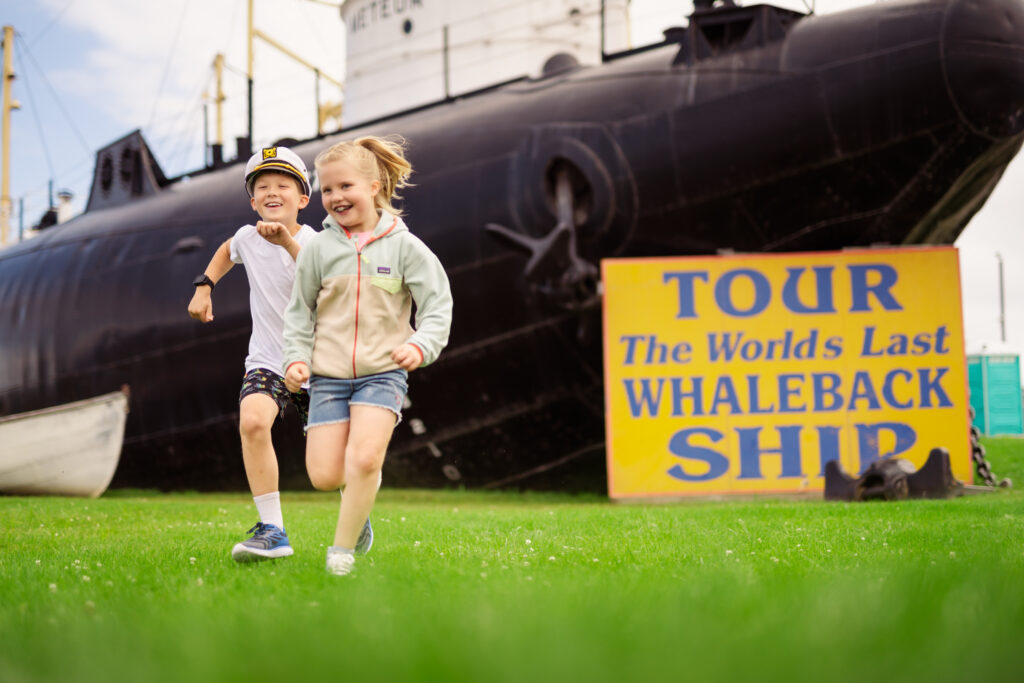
(67, 450)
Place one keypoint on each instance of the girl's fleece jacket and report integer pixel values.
(351, 308)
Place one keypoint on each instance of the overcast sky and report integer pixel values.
(90, 71)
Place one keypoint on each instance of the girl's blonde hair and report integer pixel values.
(380, 159)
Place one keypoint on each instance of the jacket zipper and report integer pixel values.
(359, 284)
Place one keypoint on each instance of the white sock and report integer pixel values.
(269, 507)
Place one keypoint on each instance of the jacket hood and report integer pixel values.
(384, 225)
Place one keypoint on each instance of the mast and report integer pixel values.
(324, 111)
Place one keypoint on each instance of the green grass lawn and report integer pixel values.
(471, 586)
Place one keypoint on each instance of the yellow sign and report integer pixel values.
(748, 373)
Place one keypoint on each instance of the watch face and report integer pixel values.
(202, 280)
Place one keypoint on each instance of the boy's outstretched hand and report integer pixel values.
(295, 376)
(201, 306)
(407, 356)
(274, 232)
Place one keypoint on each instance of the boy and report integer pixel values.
(278, 187)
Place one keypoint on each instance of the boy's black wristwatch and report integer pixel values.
(203, 279)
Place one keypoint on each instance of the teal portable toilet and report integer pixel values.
(994, 381)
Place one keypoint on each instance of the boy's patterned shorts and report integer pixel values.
(261, 381)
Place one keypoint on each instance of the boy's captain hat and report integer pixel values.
(280, 159)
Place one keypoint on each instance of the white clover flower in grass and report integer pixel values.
(38, 562)
(191, 560)
(86, 578)
(551, 558)
(528, 541)
(199, 581)
(728, 552)
(53, 588)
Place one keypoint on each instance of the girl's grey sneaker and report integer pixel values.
(365, 541)
(267, 543)
(340, 562)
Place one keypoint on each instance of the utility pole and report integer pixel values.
(1002, 301)
(218, 146)
(5, 135)
(249, 72)
(218, 69)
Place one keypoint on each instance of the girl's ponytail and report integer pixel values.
(393, 169)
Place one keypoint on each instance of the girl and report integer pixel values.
(347, 328)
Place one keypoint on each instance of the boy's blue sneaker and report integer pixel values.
(365, 541)
(267, 542)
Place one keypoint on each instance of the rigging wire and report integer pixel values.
(231, 22)
(53, 21)
(186, 125)
(167, 64)
(34, 108)
(313, 25)
(53, 92)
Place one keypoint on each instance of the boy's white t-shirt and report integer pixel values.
(271, 272)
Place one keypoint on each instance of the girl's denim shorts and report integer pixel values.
(329, 398)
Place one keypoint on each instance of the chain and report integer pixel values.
(978, 456)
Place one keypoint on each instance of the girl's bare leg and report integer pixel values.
(325, 455)
(370, 431)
